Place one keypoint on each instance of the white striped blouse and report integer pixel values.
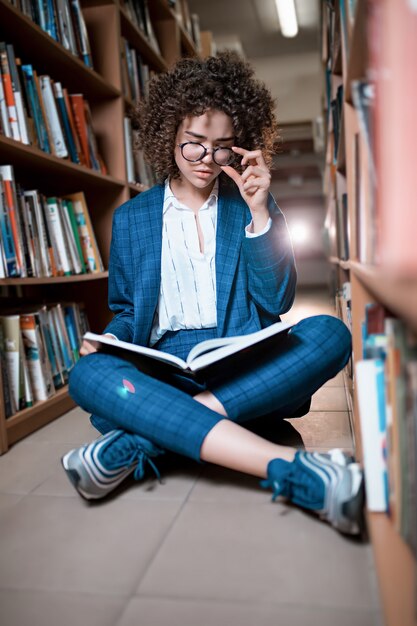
(187, 297)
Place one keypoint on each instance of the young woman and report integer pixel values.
(205, 254)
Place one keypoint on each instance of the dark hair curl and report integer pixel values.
(192, 87)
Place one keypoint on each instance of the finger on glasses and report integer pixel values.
(254, 171)
(248, 155)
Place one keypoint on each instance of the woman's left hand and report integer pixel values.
(253, 184)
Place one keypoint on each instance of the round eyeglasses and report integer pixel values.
(192, 151)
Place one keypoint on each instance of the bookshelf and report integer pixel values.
(368, 54)
(108, 22)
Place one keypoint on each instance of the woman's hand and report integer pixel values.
(88, 348)
(253, 185)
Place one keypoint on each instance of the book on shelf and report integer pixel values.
(18, 95)
(195, 31)
(134, 10)
(9, 93)
(387, 341)
(8, 250)
(8, 399)
(88, 242)
(149, 30)
(370, 386)
(63, 21)
(39, 111)
(63, 126)
(17, 369)
(81, 34)
(206, 354)
(10, 202)
(39, 367)
(135, 72)
(59, 147)
(38, 348)
(44, 236)
(411, 436)
(128, 135)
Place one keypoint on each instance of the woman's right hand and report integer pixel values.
(89, 348)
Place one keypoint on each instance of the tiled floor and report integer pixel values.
(207, 547)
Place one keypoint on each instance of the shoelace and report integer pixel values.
(143, 458)
(142, 453)
(278, 488)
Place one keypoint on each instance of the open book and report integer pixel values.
(201, 356)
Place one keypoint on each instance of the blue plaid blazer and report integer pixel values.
(256, 277)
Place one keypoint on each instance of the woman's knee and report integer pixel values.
(329, 331)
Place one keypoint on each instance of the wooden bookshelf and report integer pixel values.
(107, 23)
(371, 46)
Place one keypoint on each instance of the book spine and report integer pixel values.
(4, 114)
(34, 356)
(91, 252)
(65, 122)
(62, 337)
(49, 143)
(8, 92)
(51, 349)
(8, 400)
(81, 33)
(35, 108)
(26, 252)
(74, 134)
(7, 240)
(51, 245)
(77, 104)
(51, 112)
(72, 332)
(6, 173)
(58, 235)
(68, 208)
(11, 331)
(69, 237)
(31, 236)
(92, 146)
(17, 91)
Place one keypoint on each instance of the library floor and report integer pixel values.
(206, 547)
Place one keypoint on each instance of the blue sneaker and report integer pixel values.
(97, 468)
(330, 484)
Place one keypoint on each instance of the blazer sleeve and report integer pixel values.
(272, 275)
(121, 278)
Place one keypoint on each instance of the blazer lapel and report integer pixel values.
(147, 246)
(231, 221)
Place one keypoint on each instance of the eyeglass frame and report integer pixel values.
(206, 152)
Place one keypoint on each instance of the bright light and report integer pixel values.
(300, 233)
(287, 17)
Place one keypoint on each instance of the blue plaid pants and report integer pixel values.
(277, 381)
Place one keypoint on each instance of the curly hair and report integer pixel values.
(192, 87)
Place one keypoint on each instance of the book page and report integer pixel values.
(97, 340)
(233, 344)
(211, 344)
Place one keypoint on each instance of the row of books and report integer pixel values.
(135, 73)
(44, 236)
(138, 170)
(190, 21)
(38, 349)
(36, 110)
(386, 383)
(62, 20)
(138, 12)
